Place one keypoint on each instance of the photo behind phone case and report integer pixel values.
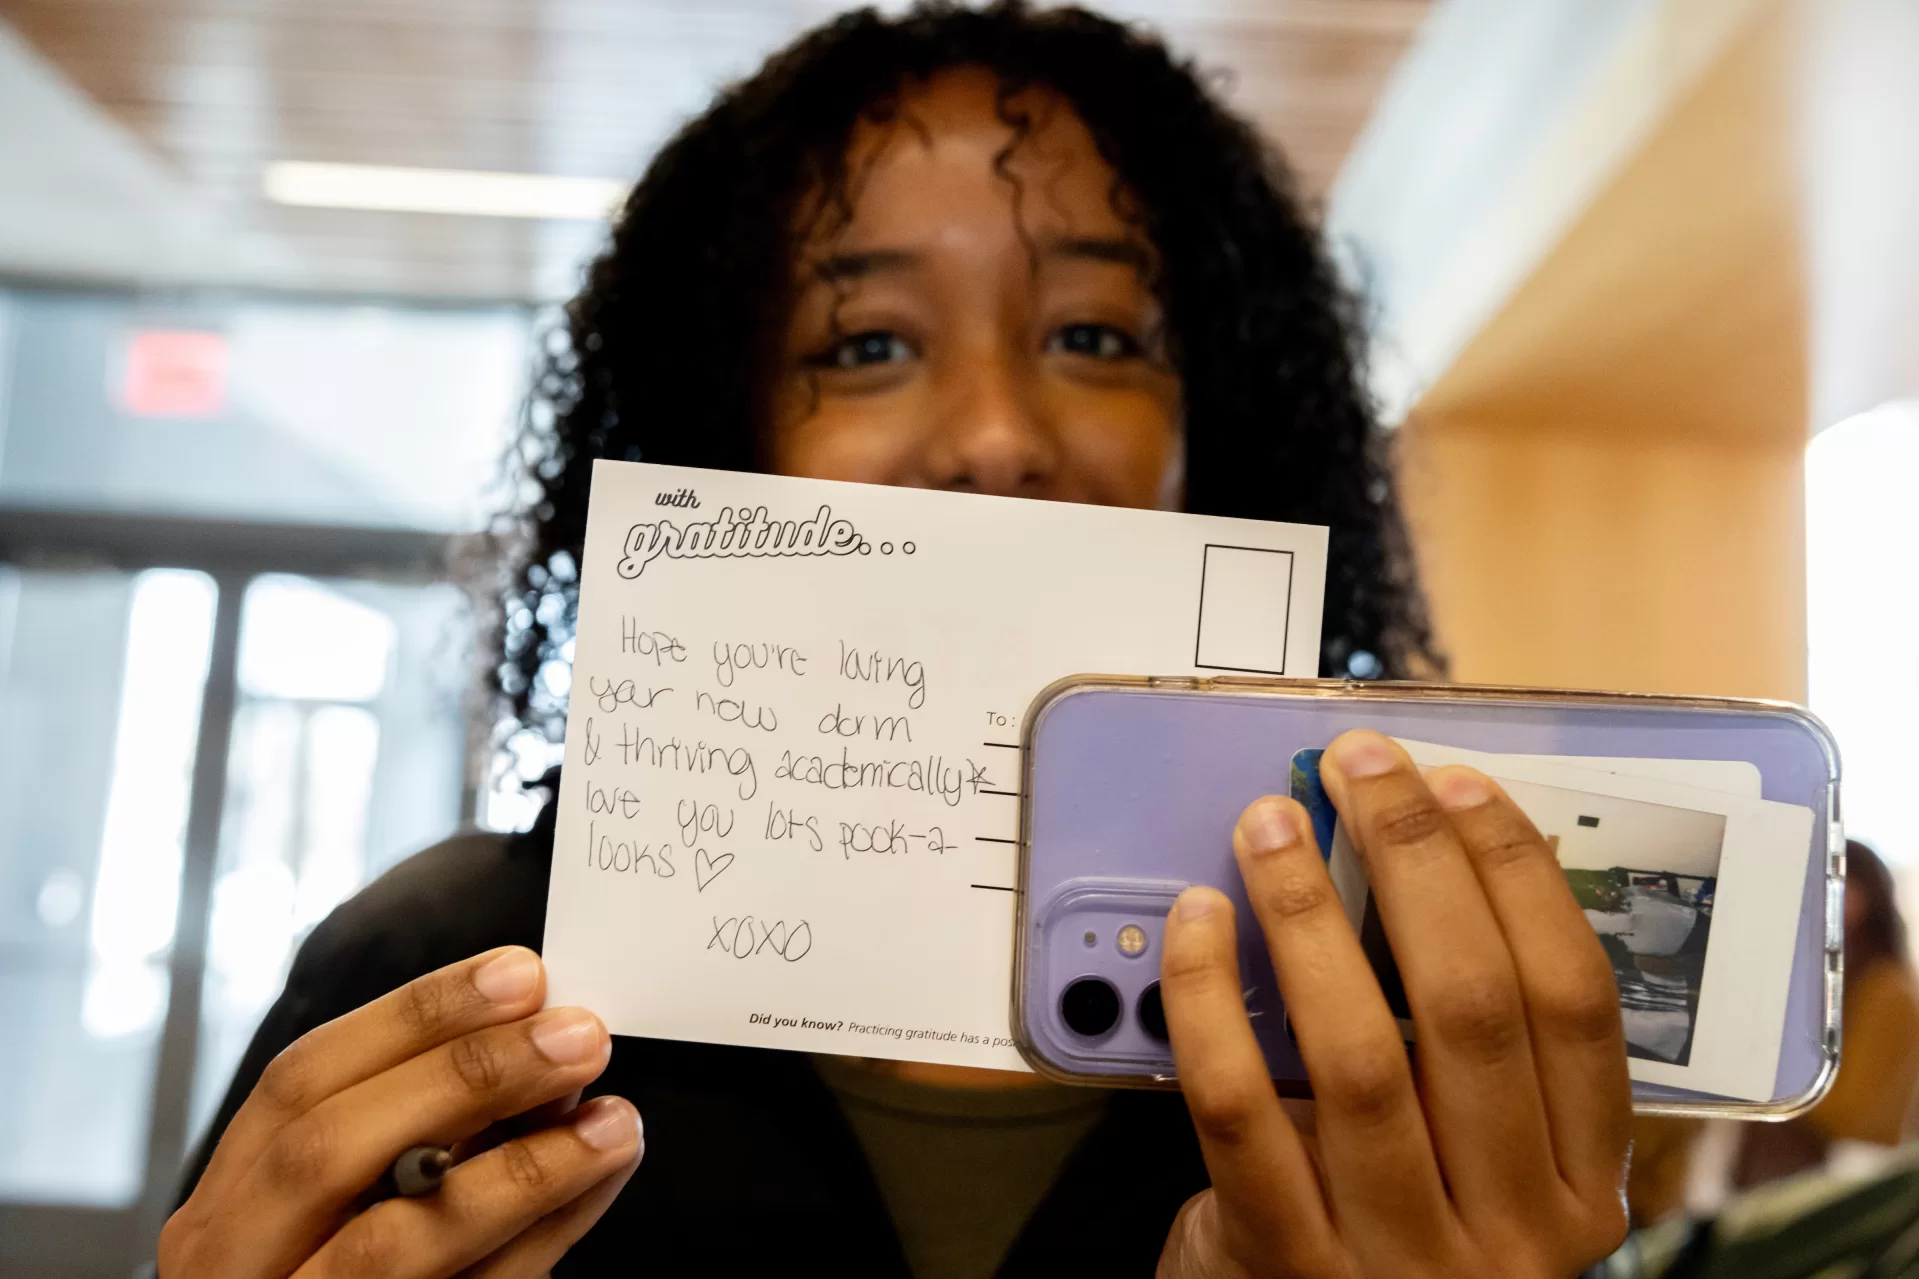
(1131, 788)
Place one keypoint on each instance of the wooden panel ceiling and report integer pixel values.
(1675, 307)
(220, 88)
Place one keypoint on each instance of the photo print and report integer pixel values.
(1692, 882)
(1645, 874)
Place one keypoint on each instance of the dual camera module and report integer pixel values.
(1091, 1006)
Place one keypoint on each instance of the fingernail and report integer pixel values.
(1268, 826)
(1363, 754)
(608, 1124)
(568, 1036)
(1195, 903)
(508, 978)
(1458, 788)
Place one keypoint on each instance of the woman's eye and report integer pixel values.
(1100, 341)
(876, 346)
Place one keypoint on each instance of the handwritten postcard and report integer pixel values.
(789, 810)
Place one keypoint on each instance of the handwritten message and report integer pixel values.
(789, 809)
(867, 696)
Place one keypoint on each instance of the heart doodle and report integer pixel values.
(707, 868)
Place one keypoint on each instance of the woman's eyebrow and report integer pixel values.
(839, 267)
(853, 266)
(1124, 252)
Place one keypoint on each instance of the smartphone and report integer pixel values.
(1700, 836)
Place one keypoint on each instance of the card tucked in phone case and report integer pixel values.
(1694, 835)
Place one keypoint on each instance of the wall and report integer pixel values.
(1606, 488)
(1555, 556)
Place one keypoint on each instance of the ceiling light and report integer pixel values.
(463, 191)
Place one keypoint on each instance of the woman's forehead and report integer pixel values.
(956, 151)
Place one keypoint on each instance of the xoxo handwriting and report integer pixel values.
(743, 936)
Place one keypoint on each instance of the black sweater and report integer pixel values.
(750, 1166)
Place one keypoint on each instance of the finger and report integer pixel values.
(1570, 992)
(540, 1246)
(499, 986)
(1268, 1194)
(1474, 1054)
(484, 1203)
(545, 1116)
(319, 1163)
(1379, 1159)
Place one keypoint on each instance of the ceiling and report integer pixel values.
(214, 90)
(1675, 304)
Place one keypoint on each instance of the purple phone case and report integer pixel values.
(1132, 787)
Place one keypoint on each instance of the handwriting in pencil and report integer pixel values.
(674, 755)
(881, 728)
(890, 837)
(707, 868)
(743, 936)
(697, 819)
(658, 645)
(874, 667)
(730, 660)
(948, 780)
(784, 823)
(620, 800)
(611, 694)
(730, 710)
(627, 856)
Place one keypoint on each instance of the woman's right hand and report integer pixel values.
(441, 1061)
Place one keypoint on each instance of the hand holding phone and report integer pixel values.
(1699, 838)
(1503, 1152)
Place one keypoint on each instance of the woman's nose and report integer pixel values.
(993, 436)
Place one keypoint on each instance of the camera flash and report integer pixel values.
(1131, 939)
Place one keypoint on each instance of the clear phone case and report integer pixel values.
(1132, 786)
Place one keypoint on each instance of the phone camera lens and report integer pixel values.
(1090, 1006)
(1152, 1013)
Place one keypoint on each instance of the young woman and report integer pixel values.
(1005, 252)
(1871, 1100)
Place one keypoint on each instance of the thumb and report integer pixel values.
(1193, 1248)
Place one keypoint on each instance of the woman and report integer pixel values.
(1005, 252)
(1872, 1095)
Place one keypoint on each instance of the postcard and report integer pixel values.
(789, 811)
(1689, 885)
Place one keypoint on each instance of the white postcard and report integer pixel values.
(1691, 883)
(789, 811)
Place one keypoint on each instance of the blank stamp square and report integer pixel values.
(1245, 607)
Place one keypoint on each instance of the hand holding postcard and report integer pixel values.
(1686, 875)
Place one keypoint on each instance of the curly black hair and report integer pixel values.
(664, 352)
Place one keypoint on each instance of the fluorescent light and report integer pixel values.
(465, 191)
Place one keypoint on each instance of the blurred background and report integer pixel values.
(1645, 285)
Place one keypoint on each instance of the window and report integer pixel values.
(345, 757)
(236, 685)
(1862, 632)
(108, 668)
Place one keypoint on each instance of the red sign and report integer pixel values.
(172, 373)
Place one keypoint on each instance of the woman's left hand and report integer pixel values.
(1500, 1147)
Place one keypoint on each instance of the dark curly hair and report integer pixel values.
(1879, 930)
(664, 352)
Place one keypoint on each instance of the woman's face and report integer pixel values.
(977, 328)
